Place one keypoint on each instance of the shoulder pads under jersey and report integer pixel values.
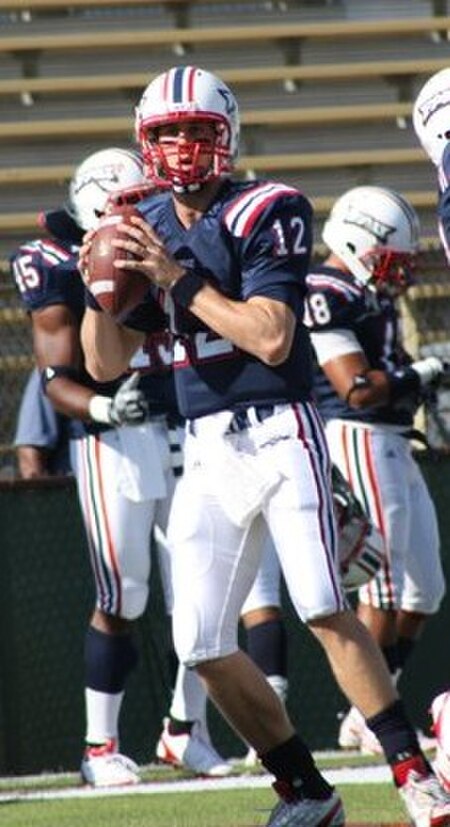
(242, 214)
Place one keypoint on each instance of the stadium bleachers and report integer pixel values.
(325, 89)
(394, 71)
(296, 96)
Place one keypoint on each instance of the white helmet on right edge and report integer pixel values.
(431, 115)
(375, 232)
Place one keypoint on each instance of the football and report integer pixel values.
(117, 290)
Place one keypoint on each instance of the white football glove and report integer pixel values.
(429, 370)
(128, 406)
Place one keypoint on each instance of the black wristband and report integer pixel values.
(52, 371)
(403, 382)
(360, 381)
(184, 290)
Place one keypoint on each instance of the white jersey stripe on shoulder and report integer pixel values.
(49, 250)
(241, 216)
(322, 281)
(443, 179)
(245, 200)
(444, 241)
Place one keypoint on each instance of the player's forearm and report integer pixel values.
(70, 398)
(260, 326)
(107, 347)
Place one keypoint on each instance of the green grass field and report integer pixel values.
(370, 804)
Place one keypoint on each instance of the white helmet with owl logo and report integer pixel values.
(431, 115)
(97, 177)
(375, 232)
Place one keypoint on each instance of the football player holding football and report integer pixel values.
(230, 260)
(368, 390)
(125, 452)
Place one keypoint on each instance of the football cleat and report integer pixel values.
(308, 812)
(192, 752)
(251, 760)
(355, 734)
(104, 766)
(440, 712)
(427, 804)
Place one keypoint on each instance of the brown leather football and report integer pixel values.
(117, 290)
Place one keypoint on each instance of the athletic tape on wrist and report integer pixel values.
(100, 409)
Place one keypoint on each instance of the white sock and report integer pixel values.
(189, 696)
(279, 685)
(102, 715)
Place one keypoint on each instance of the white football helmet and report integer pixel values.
(431, 115)
(186, 93)
(375, 232)
(361, 545)
(97, 178)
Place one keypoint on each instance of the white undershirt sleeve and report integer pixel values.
(329, 344)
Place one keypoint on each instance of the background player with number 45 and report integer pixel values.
(125, 445)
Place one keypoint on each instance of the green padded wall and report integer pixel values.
(46, 598)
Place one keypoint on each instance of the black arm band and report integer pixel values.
(184, 290)
(403, 382)
(52, 371)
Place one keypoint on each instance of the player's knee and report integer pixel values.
(195, 653)
(426, 601)
(134, 600)
(438, 596)
(197, 637)
(428, 606)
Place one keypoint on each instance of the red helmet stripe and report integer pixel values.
(191, 79)
(166, 81)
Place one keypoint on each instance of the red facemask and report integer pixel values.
(392, 271)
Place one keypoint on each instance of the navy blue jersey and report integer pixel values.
(46, 274)
(254, 240)
(444, 201)
(154, 359)
(337, 301)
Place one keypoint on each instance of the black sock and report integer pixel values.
(405, 648)
(108, 659)
(293, 767)
(267, 647)
(395, 733)
(391, 657)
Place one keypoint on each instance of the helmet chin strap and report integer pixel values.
(356, 267)
(361, 274)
